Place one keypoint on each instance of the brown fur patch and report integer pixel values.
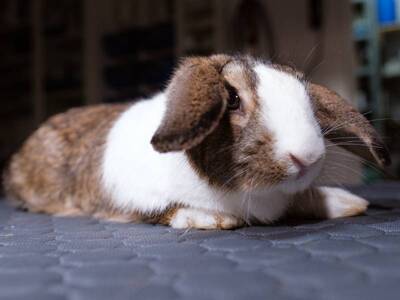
(240, 75)
(238, 154)
(196, 102)
(57, 169)
(308, 204)
(312, 204)
(341, 120)
(227, 148)
(165, 216)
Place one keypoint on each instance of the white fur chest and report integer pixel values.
(141, 179)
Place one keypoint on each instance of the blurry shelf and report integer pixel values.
(15, 28)
(9, 114)
(140, 57)
(200, 25)
(361, 31)
(357, 1)
(363, 72)
(65, 93)
(361, 37)
(366, 36)
(391, 75)
(60, 100)
(62, 40)
(390, 28)
(63, 85)
(15, 59)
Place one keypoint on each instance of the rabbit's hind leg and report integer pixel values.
(327, 203)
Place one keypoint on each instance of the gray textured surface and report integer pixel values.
(44, 257)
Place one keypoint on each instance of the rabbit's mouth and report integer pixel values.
(302, 169)
(302, 177)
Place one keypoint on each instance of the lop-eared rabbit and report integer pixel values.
(232, 141)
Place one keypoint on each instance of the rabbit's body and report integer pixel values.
(83, 164)
(157, 181)
(57, 169)
(205, 166)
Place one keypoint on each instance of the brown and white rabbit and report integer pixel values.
(231, 141)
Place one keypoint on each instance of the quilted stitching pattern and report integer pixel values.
(44, 257)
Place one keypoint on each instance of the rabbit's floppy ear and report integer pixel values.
(345, 126)
(196, 101)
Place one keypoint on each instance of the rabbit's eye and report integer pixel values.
(234, 99)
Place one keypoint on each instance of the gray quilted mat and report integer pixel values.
(44, 257)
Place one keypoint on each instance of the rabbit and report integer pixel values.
(232, 141)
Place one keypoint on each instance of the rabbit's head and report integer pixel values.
(246, 124)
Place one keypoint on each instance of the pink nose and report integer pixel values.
(298, 163)
(302, 164)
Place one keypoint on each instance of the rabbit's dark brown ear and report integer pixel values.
(345, 126)
(196, 101)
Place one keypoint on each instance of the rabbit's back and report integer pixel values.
(59, 162)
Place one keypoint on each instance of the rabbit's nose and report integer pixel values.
(303, 164)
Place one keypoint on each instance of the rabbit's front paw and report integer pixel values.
(204, 219)
(341, 203)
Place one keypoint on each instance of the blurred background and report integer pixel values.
(59, 54)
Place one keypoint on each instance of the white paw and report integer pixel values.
(204, 219)
(341, 203)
